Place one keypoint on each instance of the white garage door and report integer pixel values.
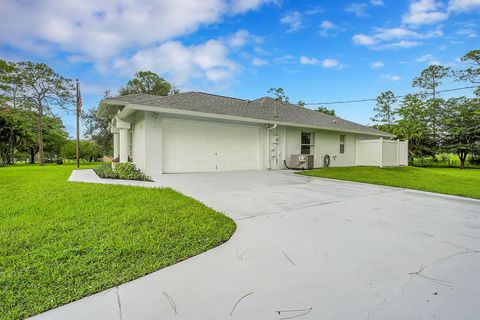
(197, 146)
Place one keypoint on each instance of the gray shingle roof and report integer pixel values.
(266, 108)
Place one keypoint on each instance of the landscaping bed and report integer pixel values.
(61, 241)
(124, 171)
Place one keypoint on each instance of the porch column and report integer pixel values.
(120, 139)
(116, 144)
(123, 143)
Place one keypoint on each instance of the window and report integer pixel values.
(307, 143)
(342, 143)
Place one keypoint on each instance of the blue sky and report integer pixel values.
(316, 50)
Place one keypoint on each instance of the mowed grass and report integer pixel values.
(453, 181)
(61, 241)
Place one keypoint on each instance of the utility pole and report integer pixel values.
(79, 108)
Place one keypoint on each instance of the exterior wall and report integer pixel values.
(359, 149)
(138, 143)
(153, 143)
(325, 142)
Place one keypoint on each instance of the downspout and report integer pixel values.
(269, 144)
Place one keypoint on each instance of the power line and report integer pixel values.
(375, 99)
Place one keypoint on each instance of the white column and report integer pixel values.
(123, 137)
(116, 144)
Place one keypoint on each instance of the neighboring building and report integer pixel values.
(198, 132)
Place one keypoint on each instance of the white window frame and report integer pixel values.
(343, 139)
(310, 145)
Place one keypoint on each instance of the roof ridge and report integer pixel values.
(216, 95)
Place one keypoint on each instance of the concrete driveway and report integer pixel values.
(312, 249)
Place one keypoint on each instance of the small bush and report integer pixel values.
(59, 161)
(125, 171)
(105, 171)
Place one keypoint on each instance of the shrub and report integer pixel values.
(105, 171)
(125, 171)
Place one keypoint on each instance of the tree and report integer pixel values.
(472, 72)
(461, 126)
(412, 125)
(42, 89)
(301, 103)
(98, 129)
(385, 108)
(279, 94)
(147, 82)
(430, 79)
(12, 132)
(325, 110)
(89, 150)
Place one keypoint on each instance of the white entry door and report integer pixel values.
(199, 146)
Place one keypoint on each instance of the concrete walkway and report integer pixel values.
(328, 249)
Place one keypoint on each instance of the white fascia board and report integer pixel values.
(130, 108)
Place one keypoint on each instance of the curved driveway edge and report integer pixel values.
(329, 249)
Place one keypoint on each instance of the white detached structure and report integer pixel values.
(199, 132)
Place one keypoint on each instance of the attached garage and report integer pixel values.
(201, 132)
(200, 146)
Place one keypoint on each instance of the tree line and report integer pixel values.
(431, 123)
(32, 94)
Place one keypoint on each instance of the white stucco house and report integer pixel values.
(199, 132)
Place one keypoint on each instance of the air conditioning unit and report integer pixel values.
(301, 161)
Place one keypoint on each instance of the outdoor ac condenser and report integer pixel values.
(301, 161)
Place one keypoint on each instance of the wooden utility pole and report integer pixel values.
(79, 107)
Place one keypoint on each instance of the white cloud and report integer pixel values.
(330, 63)
(293, 20)
(307, 60)
(403, 44)
(358, 9)
(376, 2)
(327, 25)
(325, 63)
(377, 64)
(241, 6)
(328, 28)
(127, 35)
(183, 63)
(391, 38)
(424, 58)
(285, 59)
(464, 5)
(364, 40)
(424, 12)
(468, 32)
(259, 62)
(242, 37)
(429, 59)
(391, 77)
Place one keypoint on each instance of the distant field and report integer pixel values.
(453, 181)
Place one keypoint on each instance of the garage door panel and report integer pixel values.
(193, 146)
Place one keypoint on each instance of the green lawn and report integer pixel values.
(61, 241)
(452, 181)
